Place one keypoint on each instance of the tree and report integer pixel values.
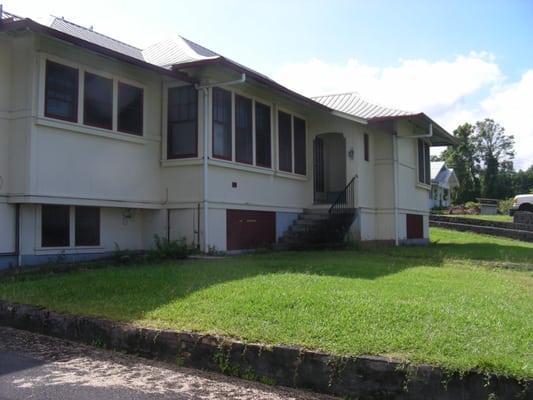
(495, 150)
(463, 158)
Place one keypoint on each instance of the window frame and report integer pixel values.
(101, 126)
(120, 82)
(78, 124)
(366, 147)
(72, 230)
(423, 170)
(254, 127)
(231, 125)
(293, 115)
(75, 118)
(251, 133)
(170, 156)
(294, 118)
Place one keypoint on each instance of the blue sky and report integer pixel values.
(457, 60)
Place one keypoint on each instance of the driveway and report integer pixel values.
(39, 367)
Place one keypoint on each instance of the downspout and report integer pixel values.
(205, 91)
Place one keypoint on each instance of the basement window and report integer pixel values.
(61, 92)
(182, 124)
(87, 226)
(130, 109)
(98, 101)
(55, 226)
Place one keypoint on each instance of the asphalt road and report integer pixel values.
(38, 367)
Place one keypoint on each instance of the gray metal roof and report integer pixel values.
(442, 175)
(176, 50)
(89, 35)
(353, 104)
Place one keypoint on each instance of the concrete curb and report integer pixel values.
(363, 377)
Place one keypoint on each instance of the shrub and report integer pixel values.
(165, 249)
(505, 205)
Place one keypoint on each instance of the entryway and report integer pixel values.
(329, 160)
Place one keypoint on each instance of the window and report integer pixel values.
(366, 147)
(130, 109)
(243, 130)
(285, 141)
(182, 128)
(222, 124)
(87, 224)
(299, 146)
(424, 174)
(98, 101)
(55, 226)
(262, 135)
(61, 92)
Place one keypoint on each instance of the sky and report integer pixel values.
(457, 61)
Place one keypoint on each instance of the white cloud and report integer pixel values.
(449, 91)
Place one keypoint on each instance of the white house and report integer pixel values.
(443, 183)
(104, 145)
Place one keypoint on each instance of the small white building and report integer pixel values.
(103, 145)
(443, 183)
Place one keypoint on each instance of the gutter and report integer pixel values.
(205, 92)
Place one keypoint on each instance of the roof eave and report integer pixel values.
(45, 30)
(254, 75)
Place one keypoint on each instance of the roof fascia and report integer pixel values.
(45, 30)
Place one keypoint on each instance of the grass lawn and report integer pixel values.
(435, 304)
(497, 218)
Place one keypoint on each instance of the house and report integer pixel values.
(443, 182)
(104, 145)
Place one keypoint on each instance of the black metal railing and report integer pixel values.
(345, 202)
(7, 17)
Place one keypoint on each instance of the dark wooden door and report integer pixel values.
(250, 229)
(415, 226)
(318, 162)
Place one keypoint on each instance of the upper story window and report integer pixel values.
(130, 109)
(98, 101)
(243, 130)
(424, 174)
(292, 141)
(366, 146)
(222, 124)
(61, 92)
(263, 156)
(182, 123)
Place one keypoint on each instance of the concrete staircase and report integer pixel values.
(315, 228)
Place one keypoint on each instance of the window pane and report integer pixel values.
(421, 175)
(299, 146)
(55, 226)
(285, 142)
(427, 164)
(87, 223)
(98, 101)
(243, 130)
(262, 135)
(61, 92)
(367, 147)
(221, 123)
(130, 109)
(182, 122)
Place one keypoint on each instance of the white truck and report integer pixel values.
(522, 202)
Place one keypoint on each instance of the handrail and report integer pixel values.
(345, 202)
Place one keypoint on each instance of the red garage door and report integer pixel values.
(250, 229)
(415, 226)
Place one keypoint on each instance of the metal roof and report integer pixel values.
(176, 50)
(353, 104)
(89, 35)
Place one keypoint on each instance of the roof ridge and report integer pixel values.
(187, 41)
(93, 31)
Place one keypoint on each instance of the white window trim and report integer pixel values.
(81, 89)
(421, 184)
(299, 116)
(72, 233)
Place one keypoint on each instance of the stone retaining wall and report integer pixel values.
(481, 222)
(364, 377)
(523, 218)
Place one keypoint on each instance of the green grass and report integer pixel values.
(442, 304)
(497, 218)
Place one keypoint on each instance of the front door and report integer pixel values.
(318, 152)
